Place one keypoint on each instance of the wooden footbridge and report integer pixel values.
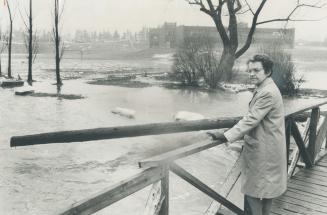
(306, 150)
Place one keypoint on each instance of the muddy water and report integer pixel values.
(46, 179)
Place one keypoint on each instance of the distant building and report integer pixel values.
(171, 35)
(164, 36)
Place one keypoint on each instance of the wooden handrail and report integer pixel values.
(116, 192)
(170, 156)
(122, 131)
(141, 130)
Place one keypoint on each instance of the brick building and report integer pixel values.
(171, 35)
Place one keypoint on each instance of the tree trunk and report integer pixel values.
(0, 66)
(224, 70)
(226, 65)
(9, 50)
(57, 43)
(30, 46)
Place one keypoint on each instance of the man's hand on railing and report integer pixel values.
(218, 135)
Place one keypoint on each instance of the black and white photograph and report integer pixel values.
(163, 107)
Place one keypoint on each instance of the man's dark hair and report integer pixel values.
(266, 62)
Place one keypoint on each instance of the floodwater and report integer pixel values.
(46, 179)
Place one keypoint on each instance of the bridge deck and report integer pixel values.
(306, 192)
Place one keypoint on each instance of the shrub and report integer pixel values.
(284, 70)
(195, 61)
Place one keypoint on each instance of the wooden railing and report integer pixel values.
(156, 169)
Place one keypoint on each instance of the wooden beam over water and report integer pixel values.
(141, 130)
(122, 131)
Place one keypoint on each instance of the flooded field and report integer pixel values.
(46, 179)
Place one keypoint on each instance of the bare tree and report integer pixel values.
(9, 42)
(3, 46)
(232, 9)
(31, 43)
(59, 45)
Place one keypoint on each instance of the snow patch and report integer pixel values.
(129, 113)
(188, 116)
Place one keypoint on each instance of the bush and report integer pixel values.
(195, 61)
(284, 71)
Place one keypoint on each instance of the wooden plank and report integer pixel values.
(309, 194)
(122, 131)
(310, 180)
(299, 202)
(176, 154)
(279, 208)
(311, 149)
(288, 128)
(204, 188)
(320, 168)
(296, 153)
(322, 164)
(116, 192)
(165, 191)
(310, 188)
(323, 161)
(321, 155)
(300, 209)
(306, 197)
(154, 201)
(311, 174)
(303, 188)
(228, 185)
(300, 143)
(321, 136)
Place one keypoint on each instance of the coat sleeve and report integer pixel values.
(256, 113)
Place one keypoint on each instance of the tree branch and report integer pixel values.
(200, 3)
(232, 26)
(238, 6)
(218, 21)
(243, 12)
(249, 6)
(251, 31)
(289, 17)
(289, 20)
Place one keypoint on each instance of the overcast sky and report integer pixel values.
(134, 14)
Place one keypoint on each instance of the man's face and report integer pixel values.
(257, 73)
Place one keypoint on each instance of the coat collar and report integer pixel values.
(266, 82)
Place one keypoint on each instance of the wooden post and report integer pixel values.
(296, 154)
(300, 143)
(165, 191)
(313, 133)
(288, 139)
(155, 200)
(321, 135)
